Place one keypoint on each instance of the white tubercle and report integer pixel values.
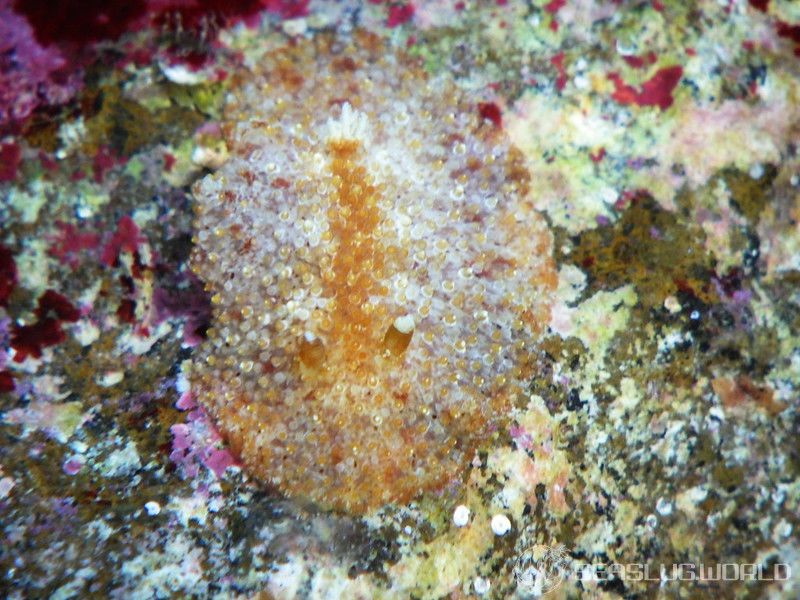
(404, 324)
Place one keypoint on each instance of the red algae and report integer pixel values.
(638, 62)
(561, 79)
(8, 274)
(379, 277)
(87, 21)
(9, 161)
(656, 91)
(126, 238)
(491, 112)
(6, 381)
(51, 302)
(103, 161)
(79, 22)
(30, 340)
(399, 14)
(69, 241)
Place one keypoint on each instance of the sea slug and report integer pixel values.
(378, 275)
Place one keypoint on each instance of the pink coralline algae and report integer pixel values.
(31, 75)
(45, 45)
(73, 465)
(82, 22)
(189, 303)
(521, 437)
(197, 442)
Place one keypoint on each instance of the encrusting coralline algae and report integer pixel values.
(378, 274)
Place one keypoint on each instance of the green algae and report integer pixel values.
(648, 247)
(750, 195)
(128, 126)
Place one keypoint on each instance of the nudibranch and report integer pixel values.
(378, 274)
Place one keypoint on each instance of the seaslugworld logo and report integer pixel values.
(542, 569)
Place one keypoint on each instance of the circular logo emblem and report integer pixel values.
(540, 570)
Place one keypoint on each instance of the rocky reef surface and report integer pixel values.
(612, 187)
